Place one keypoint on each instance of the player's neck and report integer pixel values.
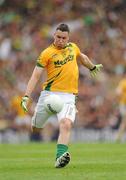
(57, 47)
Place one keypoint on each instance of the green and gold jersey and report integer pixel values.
(62, 68)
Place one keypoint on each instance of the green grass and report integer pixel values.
(89, 162)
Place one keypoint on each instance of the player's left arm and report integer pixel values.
(94, 68)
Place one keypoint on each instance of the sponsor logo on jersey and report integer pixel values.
(60, 63)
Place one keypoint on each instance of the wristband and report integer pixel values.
(93, 68)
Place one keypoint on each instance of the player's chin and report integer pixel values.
(61, 45)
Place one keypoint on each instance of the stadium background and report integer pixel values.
(26, 28)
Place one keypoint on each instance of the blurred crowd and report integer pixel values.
(26, 28)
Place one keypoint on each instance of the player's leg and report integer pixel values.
(40, 115)
(40, 120)
(51, 129)
(65, 126)
(63, 156)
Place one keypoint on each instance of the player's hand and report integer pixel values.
(96, 70)
(24, 103)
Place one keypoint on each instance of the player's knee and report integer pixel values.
(66, 125)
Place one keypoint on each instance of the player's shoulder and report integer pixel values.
(72, 44)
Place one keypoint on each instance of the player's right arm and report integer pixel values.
(42, 61)
(30, 87)
(33, 80)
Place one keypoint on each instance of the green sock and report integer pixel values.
(61, 149)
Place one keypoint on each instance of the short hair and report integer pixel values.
(63, 27)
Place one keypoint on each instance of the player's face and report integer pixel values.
(61, 39)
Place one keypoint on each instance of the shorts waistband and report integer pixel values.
(58, 92)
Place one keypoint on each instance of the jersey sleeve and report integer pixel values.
(43, 58)
(78, 52)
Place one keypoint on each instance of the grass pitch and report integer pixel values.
(88, 162)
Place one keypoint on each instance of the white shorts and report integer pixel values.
(41, 116)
